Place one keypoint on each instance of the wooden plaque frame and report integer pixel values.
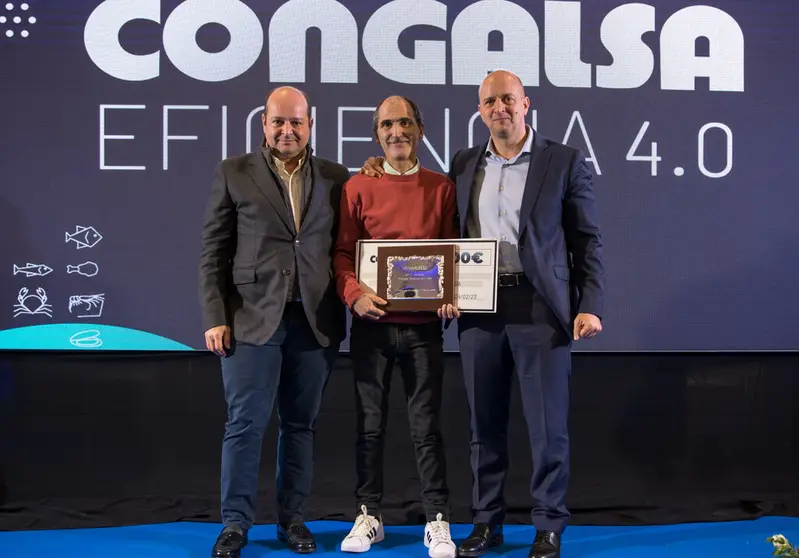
(420, 250)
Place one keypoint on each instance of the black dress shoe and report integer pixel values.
(545, 545)
(297, 537)
(480, 540)
(230, 542)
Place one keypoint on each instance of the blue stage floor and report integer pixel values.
(194, 540)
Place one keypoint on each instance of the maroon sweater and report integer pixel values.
(416, 206)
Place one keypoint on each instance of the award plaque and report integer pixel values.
(416, 277)
(475, 272)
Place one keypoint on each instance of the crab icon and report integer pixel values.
(27, 301)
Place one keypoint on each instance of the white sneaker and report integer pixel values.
(367, 530)
(438, 539)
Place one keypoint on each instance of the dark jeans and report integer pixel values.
(419, 352)
(526, 335)
(292, 368)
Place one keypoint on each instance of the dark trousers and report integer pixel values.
(526, 333)
(419, 352)
(292, 368)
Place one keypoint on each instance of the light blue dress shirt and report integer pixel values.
(496, 201)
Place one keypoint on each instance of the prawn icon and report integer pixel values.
(92, 305)
(25, 297)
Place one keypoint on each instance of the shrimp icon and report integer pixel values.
(93, 304)
(26, 298)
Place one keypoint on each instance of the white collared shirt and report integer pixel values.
(391, 170)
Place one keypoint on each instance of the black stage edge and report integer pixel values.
(92, 440)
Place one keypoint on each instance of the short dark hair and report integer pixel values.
(417, 113)
(304, 94)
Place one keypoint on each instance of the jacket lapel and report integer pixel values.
(315, 182)
(463, 188)
(263, 178)
(535, 179)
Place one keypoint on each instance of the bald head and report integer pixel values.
(288, 95)
(504, 77)
(503, 106)
(287, 122)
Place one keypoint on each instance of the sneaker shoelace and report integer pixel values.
(439, 530)
(363, 525)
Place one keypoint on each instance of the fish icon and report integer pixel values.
(32, 270)
(84, 237)
(87, 269)
(88, 339)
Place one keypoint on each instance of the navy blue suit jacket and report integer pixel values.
(560, 246)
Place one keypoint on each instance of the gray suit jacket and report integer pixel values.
(251, 252)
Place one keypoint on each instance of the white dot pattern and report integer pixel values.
(18, 20)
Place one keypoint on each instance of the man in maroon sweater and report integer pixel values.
(407, 202)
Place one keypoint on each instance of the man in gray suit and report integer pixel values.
(271, 312)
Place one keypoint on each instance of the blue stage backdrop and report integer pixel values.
(115, 114)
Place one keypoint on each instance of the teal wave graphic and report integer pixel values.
(85, 336)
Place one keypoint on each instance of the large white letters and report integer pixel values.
(101, 38)
(287, 52)
(679, 64)
(471, 60)
(104, 137)
(167, 136)
(246, 39)
(562, 35)
(381, 35)
(621, 33)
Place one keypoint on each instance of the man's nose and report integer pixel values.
(286, 129)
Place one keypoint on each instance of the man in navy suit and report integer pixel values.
(536, 197)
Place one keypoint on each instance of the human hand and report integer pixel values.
(586, 326)
(366, 306)
(217, 339)
(448, 311)
(372, 167)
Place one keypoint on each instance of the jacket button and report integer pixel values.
(286, 272)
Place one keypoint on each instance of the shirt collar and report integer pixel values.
(526, 148)
(282, 165)
(273, 161)
(391, 170)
